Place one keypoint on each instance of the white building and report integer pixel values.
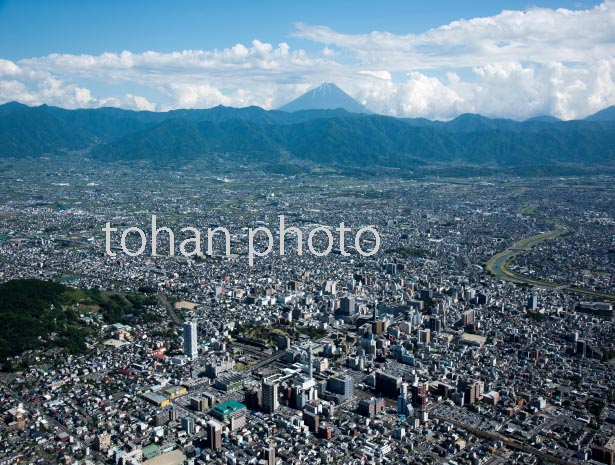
(190, 341)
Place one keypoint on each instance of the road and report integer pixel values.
(276, 356)
(510, 443)
(167, 305)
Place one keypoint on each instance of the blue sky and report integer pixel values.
(30, 28)
(434, 59)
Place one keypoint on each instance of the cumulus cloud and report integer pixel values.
(515, 64)
(8, 68)
(508, 90)
(137, 102)
(197, 95)
(539, 35)
(35, 87)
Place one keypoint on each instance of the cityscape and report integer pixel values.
(418, 354)
(316, 278)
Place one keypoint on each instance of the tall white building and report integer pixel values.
(190, 342)
(403, 406)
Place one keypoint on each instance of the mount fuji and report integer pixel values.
(326, 96)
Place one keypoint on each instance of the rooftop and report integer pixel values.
(227, 408)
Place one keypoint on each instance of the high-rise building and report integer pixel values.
(388, 384)
(426, 294)
(310, 362)
(471, 390)
(270, 396)
(468, 317)
(269, 454)
(312, 421)
(214, 434)
(211, 398)
(198, 404)
(435, 324)
(188, 425)
(190, 342)
(377, 327)
(253, 397)
(342, 385)
(324, 432)
(402, 400)
(238, 420)
(424, 336)
(329, 287)
(532, 302)
(581, 348)
(604, 453)
(347, 306)
(284, 341)
(482, 298)
(419, 395)
(391, 268)
(370, 408)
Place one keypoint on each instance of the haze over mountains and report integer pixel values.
(339, 133)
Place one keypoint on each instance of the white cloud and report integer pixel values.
(377, 74)
(508, 90)
(197, 95)
(35, 87)
(515, 64)
(140, 103)
(11, 89)
(538, 35)
(8, 68)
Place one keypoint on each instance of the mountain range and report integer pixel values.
(329, 137)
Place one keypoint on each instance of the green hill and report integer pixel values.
(39, 314)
